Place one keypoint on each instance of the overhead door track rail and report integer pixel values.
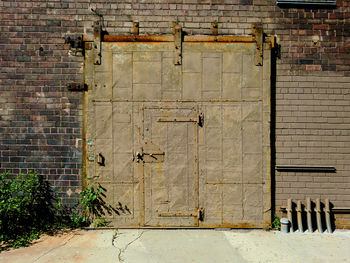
(170, 38)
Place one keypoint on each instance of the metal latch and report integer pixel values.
(149, 157)
(153, 157)
(138, 157)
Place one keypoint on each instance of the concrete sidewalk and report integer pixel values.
(163, 246)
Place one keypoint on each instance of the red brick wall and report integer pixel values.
(40, 120)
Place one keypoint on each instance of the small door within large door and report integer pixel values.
(170, 165)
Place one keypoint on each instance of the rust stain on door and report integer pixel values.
(183, 145)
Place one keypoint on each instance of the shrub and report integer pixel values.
(26, 208)
(29, 207)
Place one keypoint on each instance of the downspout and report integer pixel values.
(290, 216)
(299, 216)
(328, 216)
(318, 215)
(309, 214)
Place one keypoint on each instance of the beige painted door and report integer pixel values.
(169, 157)
(182, 145)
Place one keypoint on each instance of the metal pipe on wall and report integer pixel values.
(318, 215)
(328, 216)
(299, 216)
(289, 213)
(309, 215)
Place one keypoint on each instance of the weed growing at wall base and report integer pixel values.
(276, 223)
(92, 205)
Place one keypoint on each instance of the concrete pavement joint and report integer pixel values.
(52, 249)
(127, 245)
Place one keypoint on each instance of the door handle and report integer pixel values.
(100, 159)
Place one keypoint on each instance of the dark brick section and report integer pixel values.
(40, 121)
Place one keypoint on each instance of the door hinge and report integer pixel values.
(200, 120)
(201, 214)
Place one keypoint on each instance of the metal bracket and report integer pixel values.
(135, 28)
(91, 157)
(178, 44)
(77, 87)
(199, 214)
(329, 4)
(198, 119)
(76, 44)
(258, 34)
(178, 119)
(98, 42)
(214, 28)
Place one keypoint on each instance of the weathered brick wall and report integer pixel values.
(40, 121)
(312, 104)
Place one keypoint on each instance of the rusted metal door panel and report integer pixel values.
(185, 145)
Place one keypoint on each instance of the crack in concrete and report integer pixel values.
(52, 249)
(114, 237)
(121, 251)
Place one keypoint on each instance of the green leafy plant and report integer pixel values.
(26, 208)
(78, 220)
(89, 197)
(276, 223)
(100, 222)
(29, 207)
(25, 240)
(92, 204)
